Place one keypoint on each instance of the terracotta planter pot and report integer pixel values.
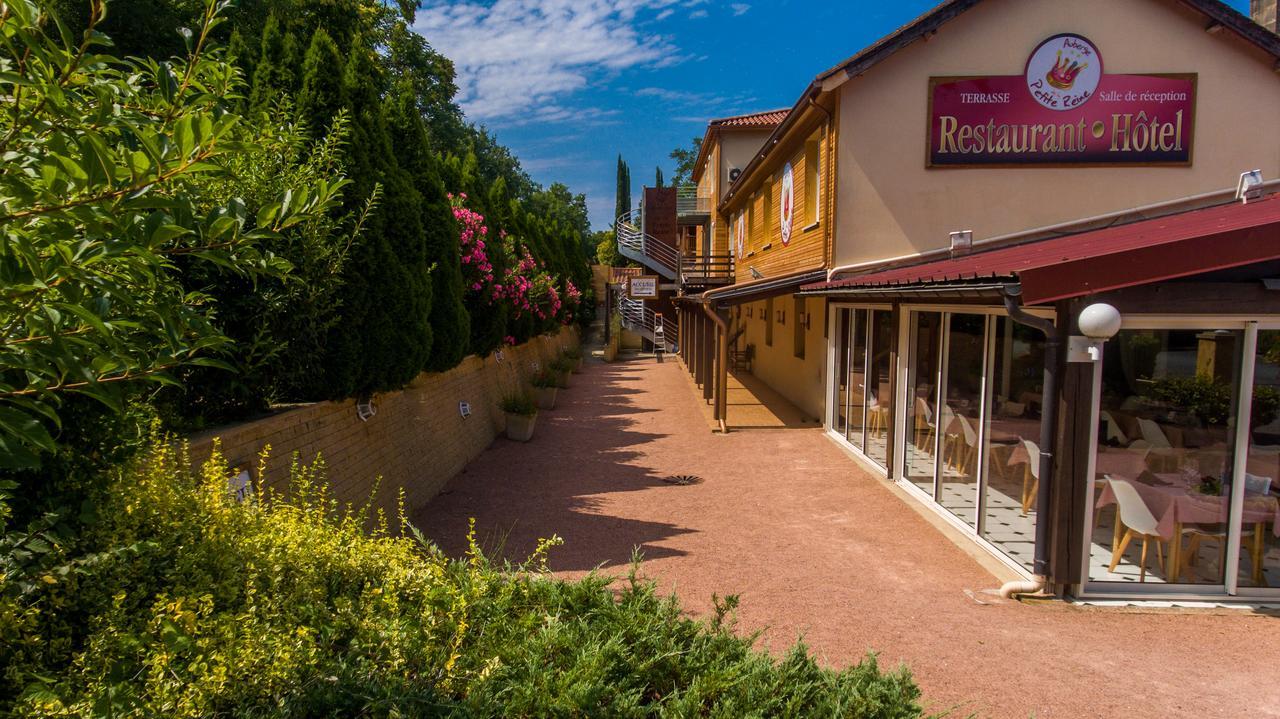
(520, 427)
(545, 397)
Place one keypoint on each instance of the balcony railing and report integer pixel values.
(689, 203)
(705, 271)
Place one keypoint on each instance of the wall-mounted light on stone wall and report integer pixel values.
(365, 409)
(464, 409)
(239, 486)
(499, 355)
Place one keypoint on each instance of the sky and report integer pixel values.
(569, 85)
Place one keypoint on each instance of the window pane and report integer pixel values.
(877, 387)
(1165, 435)
(922, 388)
(1013, 436)
(961, 412)
(1259, 548)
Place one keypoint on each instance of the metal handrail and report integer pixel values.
(689, 203)
(631, 237)
(636, 315)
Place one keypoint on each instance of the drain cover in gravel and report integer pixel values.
(682, 479)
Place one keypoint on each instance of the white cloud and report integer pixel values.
(697, 14)
(518, 60)
(739, 8)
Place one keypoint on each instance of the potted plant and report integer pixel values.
(521, 414)
(561, 369)
(574, 355)
(544, 390)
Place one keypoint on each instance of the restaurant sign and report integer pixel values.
(1063, 110)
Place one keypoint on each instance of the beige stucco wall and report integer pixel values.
(801, 381)
(889, 205)
(737, 147)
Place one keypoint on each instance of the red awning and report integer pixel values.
(1138, 253)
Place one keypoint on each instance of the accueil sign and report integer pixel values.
(1063, 110)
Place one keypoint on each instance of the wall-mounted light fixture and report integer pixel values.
(464, 409)
(239, 486)
(499, 355)
(1099, 322)
(365, 409)
(1250, 186)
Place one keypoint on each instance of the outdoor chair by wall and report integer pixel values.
(925, 426)
(1135, 517)
(1030, 476)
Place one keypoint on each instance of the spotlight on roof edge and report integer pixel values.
(1250, 186)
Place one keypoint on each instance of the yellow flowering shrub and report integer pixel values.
(184, 602)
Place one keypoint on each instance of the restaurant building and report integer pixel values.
(1022, 257)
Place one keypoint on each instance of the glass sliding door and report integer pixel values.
(921, 437)
(1166, 442)
(1012, 439)
(961, 414)
(857, 378)
(1259, 546)
(840, 386)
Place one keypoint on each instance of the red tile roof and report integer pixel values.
(1141, 252)
(766, 119)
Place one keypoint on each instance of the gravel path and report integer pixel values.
(819, 549)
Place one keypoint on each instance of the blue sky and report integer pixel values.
(570, 84)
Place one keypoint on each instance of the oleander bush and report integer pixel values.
(184, 602)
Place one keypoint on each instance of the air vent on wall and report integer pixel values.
(734, 173)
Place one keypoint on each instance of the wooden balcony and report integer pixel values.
(699, 273)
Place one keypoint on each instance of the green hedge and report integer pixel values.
(184, 603)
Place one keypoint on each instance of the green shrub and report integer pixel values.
(573, 353)
(561, 365)
(186, 603)
(519, 403)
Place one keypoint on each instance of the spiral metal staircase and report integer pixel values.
(637, 246)
(640, 319)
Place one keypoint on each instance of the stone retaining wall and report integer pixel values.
(417, 441)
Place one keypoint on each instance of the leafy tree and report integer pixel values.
(607, 249)
(99, 214)
(685, 159)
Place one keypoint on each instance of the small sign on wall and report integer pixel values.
(643, 287)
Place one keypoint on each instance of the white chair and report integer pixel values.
(1153, 434)
(1112, 428)
(1030, 476)
(924, 425)
(1135, 517)
(964, 456)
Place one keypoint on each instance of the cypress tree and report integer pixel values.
(275, 71)
(450, 322)
(321, 97)
(384, 336)
(657, 180)
(622, 201)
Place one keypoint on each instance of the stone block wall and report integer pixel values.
(417, 441)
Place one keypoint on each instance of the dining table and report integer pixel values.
(1178, 502)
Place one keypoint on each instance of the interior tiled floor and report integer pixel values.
(1206, 567)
